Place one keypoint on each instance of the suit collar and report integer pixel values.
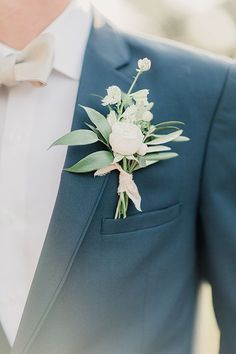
(108, 43)
(105, 56)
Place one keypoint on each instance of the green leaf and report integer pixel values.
(169, 122)
(92, 127)
(161, 139)
(150, 159)
(160, 156)
(165, 127)
(99, 121)
(92, 162)
(96, 131)
(147, 163)
(142, 161)
(151, 129)
(158, 148)
(181, 139)
(77, 137)
(118, 157)
(151, 162)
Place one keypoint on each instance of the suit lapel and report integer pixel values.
(79, 194)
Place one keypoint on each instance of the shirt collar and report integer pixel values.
(71, 31)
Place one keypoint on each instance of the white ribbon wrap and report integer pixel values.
(126, 183)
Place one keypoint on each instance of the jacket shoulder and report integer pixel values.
(179, 60)
(193, 76)
(170, 50)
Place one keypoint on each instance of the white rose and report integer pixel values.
(113, 96)
(144, 64)
(125, 138)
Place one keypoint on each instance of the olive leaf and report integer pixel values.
(169, 122)
(152, 158)
(161, 139)
(92, 162)
(166, 127)
(160, 156)
(77, 137)
(156, 148)
(99, 121)
(96, 131)
(181, 139)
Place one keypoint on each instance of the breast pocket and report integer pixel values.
(141, 221)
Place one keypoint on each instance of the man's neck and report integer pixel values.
(22, 20)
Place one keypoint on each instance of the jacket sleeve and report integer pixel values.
(218, 212)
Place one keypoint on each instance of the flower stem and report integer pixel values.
(129, 92)
(125, 165)
(134, 82)
(126, 202)
(117, 213)
(123, 201)
(122, 206)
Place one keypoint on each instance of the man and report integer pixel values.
(100, 285)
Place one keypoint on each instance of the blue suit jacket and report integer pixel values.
(106, 286)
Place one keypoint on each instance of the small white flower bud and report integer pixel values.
(144, 64)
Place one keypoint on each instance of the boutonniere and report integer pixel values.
(130, 139)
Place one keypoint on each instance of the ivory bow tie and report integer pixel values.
(33, 64)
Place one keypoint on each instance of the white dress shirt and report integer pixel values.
(30, 120)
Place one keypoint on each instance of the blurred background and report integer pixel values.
(206, 24)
